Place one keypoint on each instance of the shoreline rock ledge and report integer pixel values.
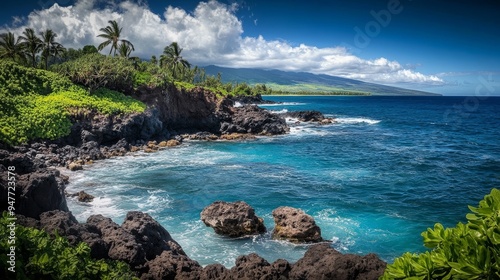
(236, 219)
(295, 225)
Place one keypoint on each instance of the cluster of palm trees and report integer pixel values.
(30, 49)
(171, 57)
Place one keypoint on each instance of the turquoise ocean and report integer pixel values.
(386, 171)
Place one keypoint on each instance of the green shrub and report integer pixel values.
(38, 256)
(467, 251)
(95, 71)
(40, 105)
(19, 80)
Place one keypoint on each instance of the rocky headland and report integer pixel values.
(173, 116)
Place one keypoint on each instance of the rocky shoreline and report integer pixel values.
(173, 116)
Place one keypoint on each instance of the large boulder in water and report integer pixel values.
(232, 219)
(306, 116)
(254, 120)
(323, 262)
(295, 225)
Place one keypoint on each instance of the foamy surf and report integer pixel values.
(282, 104)
(356, 121)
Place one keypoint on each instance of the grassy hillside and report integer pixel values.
(301, 81)
(37, 104)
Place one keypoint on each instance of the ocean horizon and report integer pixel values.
(388, 169)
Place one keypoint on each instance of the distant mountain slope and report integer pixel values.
(296, 81)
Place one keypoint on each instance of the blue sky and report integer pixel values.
(448, 47)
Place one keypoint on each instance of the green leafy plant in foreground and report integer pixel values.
(39, 256)
(467, 251)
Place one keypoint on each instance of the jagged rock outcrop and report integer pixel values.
(323, 262)
(252, 99)
(254, 120)
(232, 219)
(122, 244)
(198, 109)
(84, 197)
(192, 110)
(172, 266)
(295, 225)
(148, 248)
(253, 266)
(109, 129)
(38, 192)
(305, 116)
(153, 238)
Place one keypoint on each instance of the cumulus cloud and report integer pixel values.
(211, 34)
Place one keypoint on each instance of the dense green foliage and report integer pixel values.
(37, 104)
(38, 256)
(467, 251)
(18, 80)
(95, 71)
(31, 50)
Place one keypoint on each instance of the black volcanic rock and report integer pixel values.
(323, 262)
(305, 116)
(232, 219)
(153, 238)
(295, 225)
(253, 266)
(254, 120)
(172, 266)
(122, 244)
(39, 192)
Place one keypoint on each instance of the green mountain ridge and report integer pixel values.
(302, 81)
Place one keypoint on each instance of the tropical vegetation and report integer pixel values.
(467, 251)
(38, 104)
(41, 256)
(112, 34)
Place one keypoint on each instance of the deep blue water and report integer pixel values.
(389, 169)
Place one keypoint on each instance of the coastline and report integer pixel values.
(50, 154)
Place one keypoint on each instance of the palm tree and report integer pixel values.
(125, 49)
(11, 48)
(31, 44)
(172, 58)
(50, 47)
(112, 34)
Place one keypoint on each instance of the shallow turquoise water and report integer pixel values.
(390, 168)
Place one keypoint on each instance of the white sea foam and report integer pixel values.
(356, 121)
(238, 104)
(283, 104)
(105, 206)
(283, 111)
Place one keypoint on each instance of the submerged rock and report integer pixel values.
(232, 219)
(85, 197)
(295, 225)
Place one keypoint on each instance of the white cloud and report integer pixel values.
(211, 34)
